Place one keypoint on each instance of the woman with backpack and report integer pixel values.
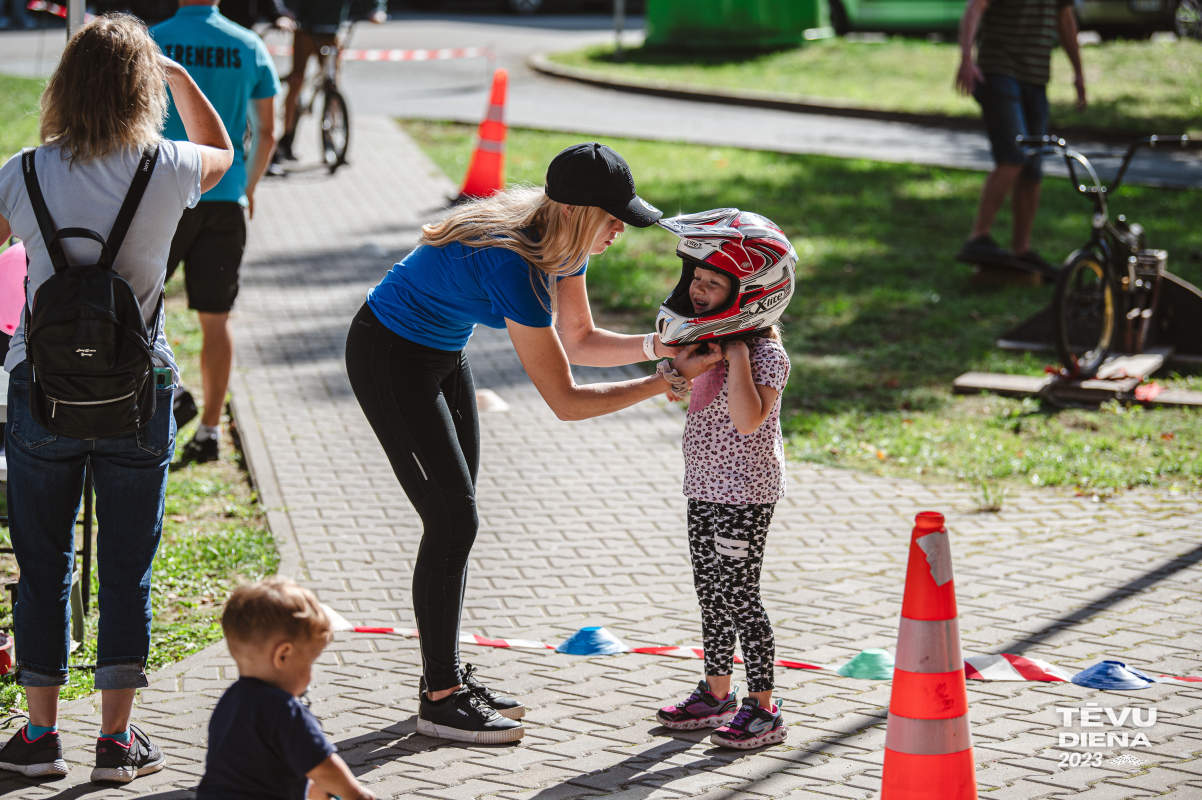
(91, 371)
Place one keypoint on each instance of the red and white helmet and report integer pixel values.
(747, 248)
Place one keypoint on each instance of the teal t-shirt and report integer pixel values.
(232, 67)
(437, 295)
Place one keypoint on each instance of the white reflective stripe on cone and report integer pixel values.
(490, 146)
(929, 645)
(496, 113)
(927, 737)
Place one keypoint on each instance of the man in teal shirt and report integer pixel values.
(231, 66)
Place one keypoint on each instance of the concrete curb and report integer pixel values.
(262, 473)
(786, 102)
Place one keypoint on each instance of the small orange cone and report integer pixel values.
(486, 172)
(928, 745)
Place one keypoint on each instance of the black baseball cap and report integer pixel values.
(592, 174)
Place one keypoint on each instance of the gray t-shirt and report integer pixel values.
(89, 196)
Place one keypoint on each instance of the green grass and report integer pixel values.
(883, 318)
(18, 114)
(1148, 87)
(214, 536)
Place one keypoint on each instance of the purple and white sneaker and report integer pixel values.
(752, 727)
(702, 709)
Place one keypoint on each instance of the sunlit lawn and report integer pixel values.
(884, 319)
(1150, 87)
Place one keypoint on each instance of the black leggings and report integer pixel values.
(421, 403)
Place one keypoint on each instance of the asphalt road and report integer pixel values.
(458, 90)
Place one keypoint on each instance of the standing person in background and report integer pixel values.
(317, 23)
(104, 103)
(247, 12)
(1009, 80)
(232, 67)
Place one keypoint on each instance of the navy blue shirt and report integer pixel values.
(262, 742)
(437, 295)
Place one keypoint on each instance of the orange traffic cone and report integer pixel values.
(928, 746)
(486, 172)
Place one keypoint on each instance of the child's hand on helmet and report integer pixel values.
(690, 363)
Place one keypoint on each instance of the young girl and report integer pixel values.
(734, 474)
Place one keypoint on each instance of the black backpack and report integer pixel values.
(90, 370)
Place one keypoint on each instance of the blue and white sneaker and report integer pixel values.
(752, 727)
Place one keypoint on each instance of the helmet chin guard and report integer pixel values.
(750, 250)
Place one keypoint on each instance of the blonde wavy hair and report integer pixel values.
(108, 91)
(565, 233)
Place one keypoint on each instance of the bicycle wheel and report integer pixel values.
(335, 130)
(1083, 315)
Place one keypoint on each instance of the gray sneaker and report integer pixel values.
(121, 763)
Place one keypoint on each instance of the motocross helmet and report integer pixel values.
(747, 248)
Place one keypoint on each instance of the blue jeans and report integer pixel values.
(45, 487)
(1011, 108)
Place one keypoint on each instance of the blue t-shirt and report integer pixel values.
(262, 742)
(232, 67)
(437, 295)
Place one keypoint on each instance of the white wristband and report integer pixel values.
(649, 347)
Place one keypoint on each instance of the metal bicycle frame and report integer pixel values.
(1115, 249)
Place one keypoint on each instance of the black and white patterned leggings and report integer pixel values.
(726, 543)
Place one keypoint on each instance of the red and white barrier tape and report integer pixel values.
(1003, 667)
(697, 652)
(53, 8)
(1008, 667)
(985, 668)
(464, 638)
(444, 54)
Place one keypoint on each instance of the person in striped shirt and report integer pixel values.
(1009, 79)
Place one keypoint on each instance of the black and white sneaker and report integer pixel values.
(506, 706)
(199, 452)
(35, 758)
(466, 717)
(121, 763)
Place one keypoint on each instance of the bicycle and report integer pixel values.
(1111, 284)
(335, 119)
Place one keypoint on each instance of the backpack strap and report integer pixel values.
(150, 157)
(49, 233)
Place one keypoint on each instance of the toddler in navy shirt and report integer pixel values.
(263, 742)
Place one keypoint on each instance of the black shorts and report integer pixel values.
(210, 241)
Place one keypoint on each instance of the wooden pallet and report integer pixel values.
(1118, 378)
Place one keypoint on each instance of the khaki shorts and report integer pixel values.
(306, 45)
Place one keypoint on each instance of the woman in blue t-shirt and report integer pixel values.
(515, 261)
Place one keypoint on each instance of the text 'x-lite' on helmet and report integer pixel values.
(747, 248)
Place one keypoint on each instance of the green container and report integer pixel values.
(735, 24)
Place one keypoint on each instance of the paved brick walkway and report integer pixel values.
(583, 523)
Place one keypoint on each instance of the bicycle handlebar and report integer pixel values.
(1054, 145)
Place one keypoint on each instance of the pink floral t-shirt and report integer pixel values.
(721, 464)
